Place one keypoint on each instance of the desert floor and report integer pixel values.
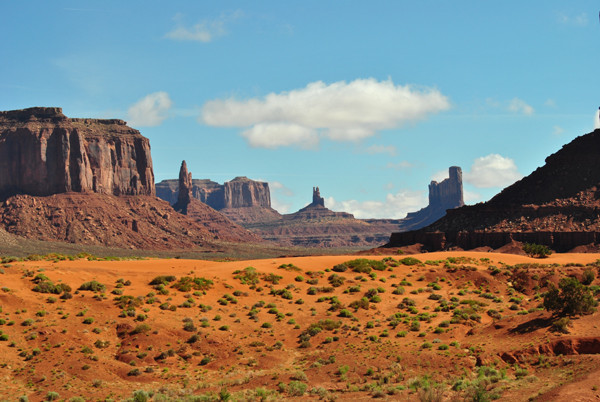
(452, 326)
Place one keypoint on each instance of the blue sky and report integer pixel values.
(367, 100)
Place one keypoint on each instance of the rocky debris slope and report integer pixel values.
(557, 205)
(140, 222)
(43, 152)
(202, 214)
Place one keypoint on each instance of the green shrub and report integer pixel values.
(588, 277)
(162, 280)
(93, 286)
(569, 299)
(536, 250)
(409, 261)
(248, 276)
(187, 283)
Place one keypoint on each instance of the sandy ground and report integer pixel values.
(247, 357)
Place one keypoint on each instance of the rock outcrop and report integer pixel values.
(242, 200)
(43, 152)
(317, 226)
(557, 205)
(443, 196)
(184, 196)
(240, 192)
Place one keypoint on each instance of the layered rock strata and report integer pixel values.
(43, 152)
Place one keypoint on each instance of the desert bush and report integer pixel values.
(409, 261)
(569, 299)
(336, 280)
(536, 250)
(47, 286)
(187, 283)
(274, 279)
(162, 280)
(561, 325)
(248, 276)
(588, 277)
(93, 286)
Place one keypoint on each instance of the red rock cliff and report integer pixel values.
(43, 152)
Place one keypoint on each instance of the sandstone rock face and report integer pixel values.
(243, 192)
(442, 197)
(43, 152)
(557, 205)
(240, 192)
(449, 193)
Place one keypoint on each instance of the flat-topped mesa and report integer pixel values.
(240, 192)
(43, 152)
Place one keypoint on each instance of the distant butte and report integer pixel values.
(557, 205)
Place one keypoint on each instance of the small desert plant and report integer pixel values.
(536, 250)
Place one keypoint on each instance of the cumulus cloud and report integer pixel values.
(580, 20)
(341, 111)
(151, 110)
(492, 170)
(278, 193)
(399, 165)
(381, 149)
(520, 106)
(395, 206)
(275, 135)
(203, 31)
(597, 119)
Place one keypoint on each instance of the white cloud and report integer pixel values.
(204, 31)
(399, 165)
(277, 135)
(597, 119)
(557, 130)
(520, 106)
(151, 110)
(382, 149)
(281, 188)
(280, 206)
(577, 20)
(395, 206)
(471, 197)
(440, 176)
(340, 111)
(492, 170)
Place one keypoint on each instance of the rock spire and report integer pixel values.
(185, 189)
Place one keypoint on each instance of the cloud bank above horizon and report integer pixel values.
(341, 111)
